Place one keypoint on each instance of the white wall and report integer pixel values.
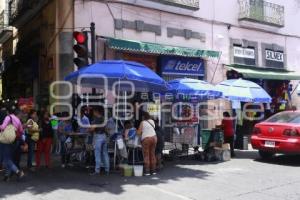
(212, 19)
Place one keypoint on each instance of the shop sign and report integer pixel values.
(243, 52)
(182, 66)
(274, 56)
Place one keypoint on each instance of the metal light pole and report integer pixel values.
(93, 40)
(93, 48)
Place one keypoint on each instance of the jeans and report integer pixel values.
(149, 145)
(31, 145)
(7, 153)
(101, 152)
(17, 152)
(230, 140)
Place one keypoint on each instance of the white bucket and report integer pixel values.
(138, 170)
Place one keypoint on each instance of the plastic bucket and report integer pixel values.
(128, 170)
(138, 170)
(226, 156)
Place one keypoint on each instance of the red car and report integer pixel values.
(278, 134)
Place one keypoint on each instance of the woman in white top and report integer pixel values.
(149, 140)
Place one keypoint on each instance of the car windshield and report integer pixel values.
(285, 117)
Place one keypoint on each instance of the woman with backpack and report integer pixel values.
(13, 123)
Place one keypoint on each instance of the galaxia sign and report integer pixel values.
(182, 66)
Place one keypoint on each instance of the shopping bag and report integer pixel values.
(120, 143)
(8, 136)
(137, 141)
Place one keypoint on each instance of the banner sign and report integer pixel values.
(182, 66)
(243, 52)
(274, 56)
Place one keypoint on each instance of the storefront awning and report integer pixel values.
(264, 73)
(153, 48)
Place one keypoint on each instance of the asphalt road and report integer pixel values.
(242, 178)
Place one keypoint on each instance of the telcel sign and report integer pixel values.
(182, 66)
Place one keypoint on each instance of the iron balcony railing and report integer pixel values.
(19, 8)
(262, 12)
(3, 21)
(15, 7)
(189, 4)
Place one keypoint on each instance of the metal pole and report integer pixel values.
(93, 48)
(93, 42)
(216, 68)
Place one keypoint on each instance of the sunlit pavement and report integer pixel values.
(244, 177)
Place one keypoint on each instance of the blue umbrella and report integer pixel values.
(142, 77)
(194, 87)
(243, 90)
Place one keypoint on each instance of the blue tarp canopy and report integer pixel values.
(244, 91)
(110, 72)
(187, 86)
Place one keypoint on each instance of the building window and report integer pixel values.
(244, 52)
(273, 56)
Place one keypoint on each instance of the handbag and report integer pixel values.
(8, 136)
(33, 130)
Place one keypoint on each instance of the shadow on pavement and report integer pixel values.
(246, 154)
(46, 181)
(287, 160)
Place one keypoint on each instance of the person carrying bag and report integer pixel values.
(33, 135)
(12, 130)
(149, 141)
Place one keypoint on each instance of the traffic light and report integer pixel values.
(81, 48)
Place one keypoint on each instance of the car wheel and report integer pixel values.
(265, 154)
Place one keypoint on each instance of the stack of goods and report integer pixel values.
(213, 145)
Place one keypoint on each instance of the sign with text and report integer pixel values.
(243, 52)
(182, 66)
(274, 56)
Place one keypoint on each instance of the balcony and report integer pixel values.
(262, 12)
(188, 4)
(5, 30)
(21, 11)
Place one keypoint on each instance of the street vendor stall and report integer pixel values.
(182, 123)
(249, 94)
(123, 78)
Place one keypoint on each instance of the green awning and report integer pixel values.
(153, 48)
(264, 73)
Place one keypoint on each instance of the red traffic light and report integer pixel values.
(79, 37)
